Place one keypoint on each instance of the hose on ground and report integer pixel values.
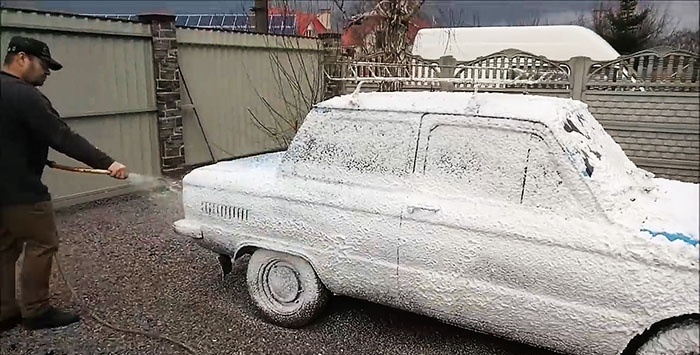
(108, 325)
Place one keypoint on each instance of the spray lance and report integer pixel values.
(52, 164)
(134, 179)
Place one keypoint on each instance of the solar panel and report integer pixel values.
(126, 17)
(217, 21)
(205, 21)
(277, 23)
(193, 21)
(228, 21)
(282, 24)
(243, 23)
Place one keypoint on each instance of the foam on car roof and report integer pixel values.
(548, 110)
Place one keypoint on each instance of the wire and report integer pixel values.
(194, 109)
(108, 325)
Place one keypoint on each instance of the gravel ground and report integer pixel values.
(130, 269)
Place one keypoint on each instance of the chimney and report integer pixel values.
(260, 16)
(324, 16)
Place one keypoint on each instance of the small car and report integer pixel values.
(508, 214)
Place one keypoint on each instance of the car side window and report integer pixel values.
(545, 186)
(352, 144)
(476, 161)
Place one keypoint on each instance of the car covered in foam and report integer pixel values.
(514, 215)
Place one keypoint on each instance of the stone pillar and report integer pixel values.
(167, 76)
(579, 74)
(332, 64)
(447, 64)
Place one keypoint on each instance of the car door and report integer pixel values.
(495, 236)
(468, 171)
(352, 167)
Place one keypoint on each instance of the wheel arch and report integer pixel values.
(246, 249)
(250, 248)
(639, 339)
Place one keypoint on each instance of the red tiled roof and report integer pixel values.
(303, 20)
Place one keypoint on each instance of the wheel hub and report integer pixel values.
(284, 283)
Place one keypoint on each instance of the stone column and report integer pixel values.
(447, 64)
(167, 76)
(332, 63)
(579, 73)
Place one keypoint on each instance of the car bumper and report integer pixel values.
(187, 228)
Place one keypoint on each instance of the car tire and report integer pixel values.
(285, 288)
(682, 338)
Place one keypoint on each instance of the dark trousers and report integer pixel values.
(31, 227)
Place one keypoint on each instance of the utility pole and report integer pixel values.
(260, 16)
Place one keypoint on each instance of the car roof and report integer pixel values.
(544, 109)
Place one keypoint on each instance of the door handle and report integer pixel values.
(412, 209)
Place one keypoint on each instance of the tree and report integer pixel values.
(296, 82)
(385, 34)
(685, 40)
(388, 23)
(627, 29)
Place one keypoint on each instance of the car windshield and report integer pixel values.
(604, 165)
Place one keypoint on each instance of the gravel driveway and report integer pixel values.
(131, 269)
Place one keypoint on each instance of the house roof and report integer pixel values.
(303, 20)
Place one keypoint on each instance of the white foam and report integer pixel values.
(138, 179)
(551, 269)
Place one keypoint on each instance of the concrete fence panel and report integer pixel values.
(649, 102)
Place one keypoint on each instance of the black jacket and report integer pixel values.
(29, 125)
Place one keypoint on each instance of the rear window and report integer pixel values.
(354, 143)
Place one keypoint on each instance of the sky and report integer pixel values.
(684, 13)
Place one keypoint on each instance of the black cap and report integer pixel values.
(33, 47)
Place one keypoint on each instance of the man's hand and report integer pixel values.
(118, 171)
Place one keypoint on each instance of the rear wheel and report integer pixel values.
(285, 288)
(682, 338)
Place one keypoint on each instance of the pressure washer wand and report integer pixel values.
(52, 164)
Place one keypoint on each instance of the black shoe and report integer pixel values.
(53, 318)
(10, 323)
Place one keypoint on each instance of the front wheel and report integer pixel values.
(682, 338)
(285, 288)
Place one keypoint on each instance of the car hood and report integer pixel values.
(253, 172)
(671, 213)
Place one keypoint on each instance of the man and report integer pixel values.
(29, 125)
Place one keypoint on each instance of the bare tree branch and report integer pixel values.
(449, 19)
(295, 84)
(340, 4)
